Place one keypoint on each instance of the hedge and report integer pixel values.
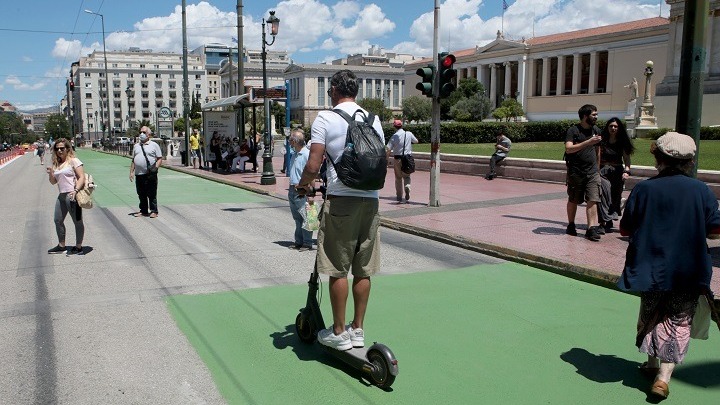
(533, 131)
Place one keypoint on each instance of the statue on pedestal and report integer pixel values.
(633, 89)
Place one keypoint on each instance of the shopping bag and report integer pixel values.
(311, 222)
(701, 321)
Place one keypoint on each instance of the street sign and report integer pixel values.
(270, 93)
(165, 113)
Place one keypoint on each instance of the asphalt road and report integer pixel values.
(95, 328)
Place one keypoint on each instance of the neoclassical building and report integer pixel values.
(553, 75)
(309, 85)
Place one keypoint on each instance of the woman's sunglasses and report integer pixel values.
(59, 149)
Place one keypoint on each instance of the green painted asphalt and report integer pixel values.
(492, 334)
(111, 174)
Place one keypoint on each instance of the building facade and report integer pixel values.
(141, 81)
(553, 75)
(309, 85)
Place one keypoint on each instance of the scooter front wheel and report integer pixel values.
(380, 375)
(304, 328)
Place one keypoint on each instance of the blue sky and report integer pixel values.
(41, 38)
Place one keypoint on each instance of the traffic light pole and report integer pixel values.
(435, 119)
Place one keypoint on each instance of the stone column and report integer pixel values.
(560, 88)
(522, 92)
(508, 78)
(483, 76)
(592, 84)
(493, 85)
(576, 74)
(545, 76)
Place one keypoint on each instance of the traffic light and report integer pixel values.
(447, 73)
(426, 86)
(72, 85)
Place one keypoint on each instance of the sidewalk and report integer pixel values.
(515, 220)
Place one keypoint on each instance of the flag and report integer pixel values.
(505, 5)
(234, 39)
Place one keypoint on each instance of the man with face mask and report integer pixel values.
(146, 160)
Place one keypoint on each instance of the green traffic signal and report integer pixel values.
(447, 74)
(426, 86)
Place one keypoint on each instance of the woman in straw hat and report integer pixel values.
(668, 218)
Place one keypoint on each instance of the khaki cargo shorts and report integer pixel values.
(349, 237)
(583, 188)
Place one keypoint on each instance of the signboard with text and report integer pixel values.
(273, 93)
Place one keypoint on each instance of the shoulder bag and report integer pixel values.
(152, 169)
(84, 195)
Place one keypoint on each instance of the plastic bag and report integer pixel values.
(310, 217)
(701, 321)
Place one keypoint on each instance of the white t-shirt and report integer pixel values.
(330, 129)
(65, 175)
(153, 152)
(401, 142)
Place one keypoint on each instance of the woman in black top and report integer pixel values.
(615, 151)
(215, 149)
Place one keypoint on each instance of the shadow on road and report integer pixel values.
(606, 368)
(705, 375)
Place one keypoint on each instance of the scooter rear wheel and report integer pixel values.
(381, 375)
(304, 329)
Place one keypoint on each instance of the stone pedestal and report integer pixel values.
(631, 118)
(646, 121)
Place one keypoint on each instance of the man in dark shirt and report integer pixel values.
(583, 178)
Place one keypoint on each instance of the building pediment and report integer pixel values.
(500, 44)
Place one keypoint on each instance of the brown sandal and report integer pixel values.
(660, 389)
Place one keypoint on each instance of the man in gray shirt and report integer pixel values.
(502, 148)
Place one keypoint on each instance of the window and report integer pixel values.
(197, 77)
(144, 75)
(127, 65)
(602, 70)
(114, 65)
(102, 74)
(321, 91)
(87, 74)
(130, 75)
(172, 75)
(142, 66)
(170, 66)
(360, 89)
(156, 66)
(157, 75)
(197, 86)
(88, 95)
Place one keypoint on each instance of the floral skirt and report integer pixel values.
(663, 328)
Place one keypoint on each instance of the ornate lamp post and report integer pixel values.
(107, 78)
(268, 175)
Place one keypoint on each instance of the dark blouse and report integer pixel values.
(668, 218)
(611, 153)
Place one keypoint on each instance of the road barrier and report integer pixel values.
(8, 155)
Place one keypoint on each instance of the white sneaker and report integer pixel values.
(357, 336)
(407, 192)
(340, 342)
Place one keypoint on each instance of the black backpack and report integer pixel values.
(363, 164)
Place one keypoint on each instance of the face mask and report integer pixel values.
(143, 137)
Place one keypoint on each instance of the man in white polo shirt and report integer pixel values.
(349, 238)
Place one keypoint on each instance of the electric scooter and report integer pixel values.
(378, 362)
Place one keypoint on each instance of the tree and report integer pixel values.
(377, 107)
(277, 110)
(417, 108)
(57, 126)
(474, 108)
(195, 109)
(10, 126)
(513, 108)
(470, 87)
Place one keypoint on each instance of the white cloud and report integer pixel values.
(27, 59)
(345, 10)
(18, 84)
(73, 49)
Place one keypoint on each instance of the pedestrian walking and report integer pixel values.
(615, 151)
(195, 149)
(298, 160)
(40, 148)
(502, 148)
(400, 144)
(349, 238)
(146, 161)
(68, 173)
(667, 259)
(583, 178)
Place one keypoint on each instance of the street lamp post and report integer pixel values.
(107, 78)
(128, 93)
(268, 175)
(96, 124)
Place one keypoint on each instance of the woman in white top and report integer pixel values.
(67, 172)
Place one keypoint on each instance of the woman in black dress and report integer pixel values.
(615, 151)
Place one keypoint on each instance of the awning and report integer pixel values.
(242, 100)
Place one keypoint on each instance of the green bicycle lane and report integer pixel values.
(503, 333)
(111, 173)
